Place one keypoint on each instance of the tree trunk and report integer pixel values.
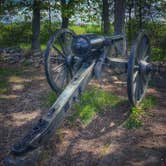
(140, 14)
(65, 22)
(1, 7)
(64, 14)
(119, 25)
(36, 28)
(49, 18)
(105, 17)
(119, 16)
(129, 23)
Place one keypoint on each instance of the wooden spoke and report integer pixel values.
(58, 57)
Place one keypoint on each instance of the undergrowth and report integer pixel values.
(134, 121)
(4, 78)
(93, 102)
(51, 98)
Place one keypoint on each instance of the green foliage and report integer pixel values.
(93, 102)
(3, 87)
(51, 98)
(157, 33)
(157, 54)
(19, 35)
(13, 34)
(8, 72)
(4, 74)
(134, 121)
(149, 102)
(88, 29)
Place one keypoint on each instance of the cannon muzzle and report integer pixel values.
(82, 45)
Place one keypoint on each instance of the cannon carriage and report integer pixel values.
(71, 61)
(105, 51)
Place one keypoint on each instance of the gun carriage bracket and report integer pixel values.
(71, 61)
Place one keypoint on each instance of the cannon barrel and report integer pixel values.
(82, 45)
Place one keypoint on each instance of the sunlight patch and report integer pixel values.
(40, 78)
(21, 118)
(18, 87)
(16, 79)
(8, 96)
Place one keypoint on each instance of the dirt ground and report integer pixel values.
(104, 142)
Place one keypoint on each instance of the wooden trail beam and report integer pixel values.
(25, 152)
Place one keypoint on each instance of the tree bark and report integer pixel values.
(36, 27)
(105, 17)
(119, 16)
(140, 14)
(1, 6)
(65, 22)
(49, 18)
(119, 25)
(64, 14)
(129, 23)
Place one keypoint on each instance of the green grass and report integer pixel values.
(4, 74)
(8, 72)
(93, 102)
(27, 46)
(88, 29)
(51, 98)
(149, 102)
(134, 121)
(3, 87)
(158, 54)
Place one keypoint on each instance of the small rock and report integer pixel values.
(37, 65)
(22, 60)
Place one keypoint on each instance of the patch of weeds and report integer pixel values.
(134, 120)
(105, 150)
(59, 136)
(158, 54)
(26, 63)
(51, 97)
(93, 102)
(4, 75)
(3, 86)
(149, 102)
(8, 72)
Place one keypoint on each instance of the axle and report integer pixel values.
(156, 68)
(143, 66)
(151, 67)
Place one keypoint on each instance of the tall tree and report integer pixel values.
(68, 8)
(119, 16)
(105, 16)
(119, 24)
(65, 13)
(140, 4)
(35, 46)
(129, 7)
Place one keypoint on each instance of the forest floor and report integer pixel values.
(104, 141)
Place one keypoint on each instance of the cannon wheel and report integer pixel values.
(58, 60)
(137, 75)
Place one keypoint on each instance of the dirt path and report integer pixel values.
(103, 142)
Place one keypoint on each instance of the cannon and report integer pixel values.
(71, 61)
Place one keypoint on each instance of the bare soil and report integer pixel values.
(105, 141)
